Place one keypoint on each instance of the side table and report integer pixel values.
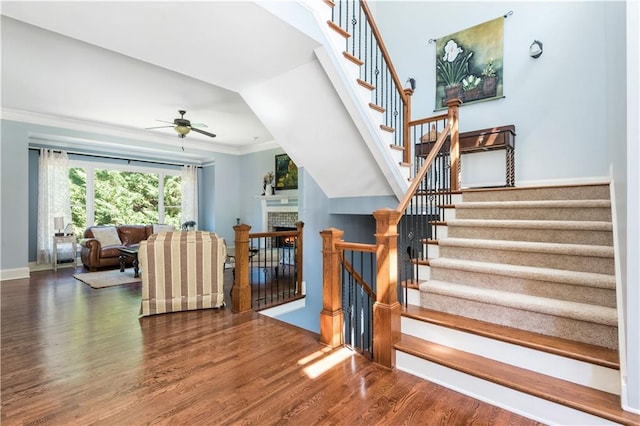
(64, 239)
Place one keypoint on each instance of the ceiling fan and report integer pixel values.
(183, 126)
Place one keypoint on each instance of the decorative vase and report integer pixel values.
(489, 85)
(452, 92)
(472, 94)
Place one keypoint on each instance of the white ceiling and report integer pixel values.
(114, 68)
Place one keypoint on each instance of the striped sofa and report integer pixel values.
(181, 271)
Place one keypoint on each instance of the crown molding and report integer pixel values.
(203, 151)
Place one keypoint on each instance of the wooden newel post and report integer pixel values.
(298, 254)
(241, 292)
(406, 134)
(454, 108)
(331, 317)
(386, 310)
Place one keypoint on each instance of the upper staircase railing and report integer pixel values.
(432, 146)
(364, 46)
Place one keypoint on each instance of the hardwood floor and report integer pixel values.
(74, 355)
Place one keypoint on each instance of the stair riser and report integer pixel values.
(603, 238)
(544, 411)
(561, 213)
(580, 372)
(581, 331)
(595, 192)
(599, 265)
(550, 289)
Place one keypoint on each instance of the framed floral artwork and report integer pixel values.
(469, 64)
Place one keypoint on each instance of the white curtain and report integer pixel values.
(53, 199)
(190, 194)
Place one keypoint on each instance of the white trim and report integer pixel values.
(580, 372)
(517, 402)
(603, 180)
(14, 274)
(285, 308)
(283, 207)
(133, 134)
(91, 166)
(622, 341)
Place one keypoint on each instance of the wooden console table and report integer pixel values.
(503, 137)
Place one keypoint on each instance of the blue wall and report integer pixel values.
(14, 209)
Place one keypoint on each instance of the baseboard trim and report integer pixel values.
(14, 274)
(596, 180)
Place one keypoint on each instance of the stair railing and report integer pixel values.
(435, 180)
(267, 268)
(435, 144)
(364, 46)
(432, 145)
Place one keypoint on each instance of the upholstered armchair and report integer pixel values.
(181, 271)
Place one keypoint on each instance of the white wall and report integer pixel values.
(557, 102)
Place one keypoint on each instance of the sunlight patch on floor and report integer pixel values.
(325, 364)
(317, 354)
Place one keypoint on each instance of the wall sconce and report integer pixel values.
(410, 84)
(58, 223)
(535, 50)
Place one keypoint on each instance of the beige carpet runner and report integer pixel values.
(537, 259)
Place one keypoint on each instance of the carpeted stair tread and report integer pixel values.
(572, 310)
(592, 191)
(528, 204)
(585, 279)
(529, 246)
(574, 225)
(585, 352)
(588, 400)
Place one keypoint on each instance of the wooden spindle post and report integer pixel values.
(406, 131)
(386, 310)
(331, 317)
(241, 292)
(298, 257)
(454, 107)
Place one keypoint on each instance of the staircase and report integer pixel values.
(537, 259)
(519, 308)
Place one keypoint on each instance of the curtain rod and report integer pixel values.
(114, 158)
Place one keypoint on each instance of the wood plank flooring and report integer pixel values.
(74, 355)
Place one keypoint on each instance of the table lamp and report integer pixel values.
(58, 223)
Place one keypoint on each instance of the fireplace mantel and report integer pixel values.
(277, 203)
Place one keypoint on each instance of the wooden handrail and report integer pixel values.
(370, 248)
(431, 119)
(383, 49)
(415, 183)
(349, 267)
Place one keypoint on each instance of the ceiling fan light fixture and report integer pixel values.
(182, 130)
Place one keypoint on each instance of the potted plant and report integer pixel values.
(490, 79)
(470, 85)
(452, 67)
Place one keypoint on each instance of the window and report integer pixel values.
(105, 194)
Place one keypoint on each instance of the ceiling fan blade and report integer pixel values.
(198, 125)
(203, 132)
(157, 127)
